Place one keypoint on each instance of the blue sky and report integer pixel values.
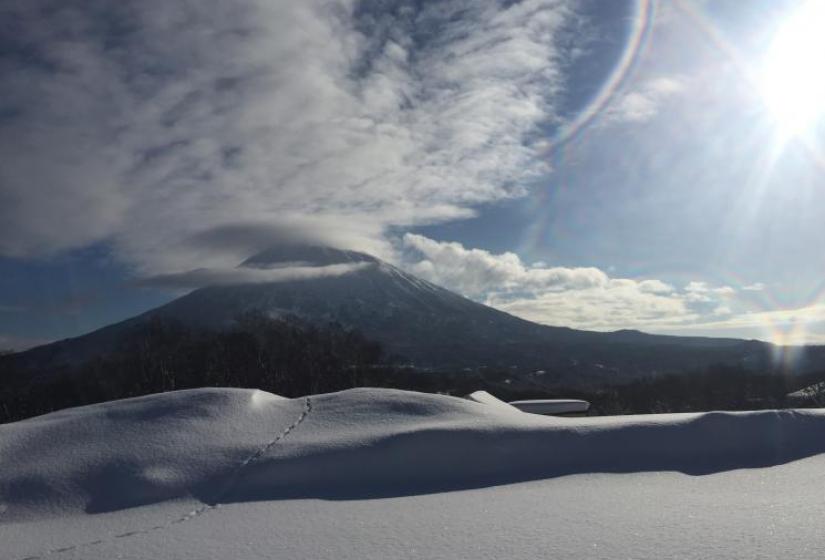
(601, 165)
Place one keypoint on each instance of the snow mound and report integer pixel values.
(234, 445)
(133, 452)
(376, 443)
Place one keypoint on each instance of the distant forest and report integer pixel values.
(292, 358)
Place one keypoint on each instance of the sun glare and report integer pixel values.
(793, 84)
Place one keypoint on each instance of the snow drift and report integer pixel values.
(234, 445)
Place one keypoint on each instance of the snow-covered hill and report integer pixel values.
(230, 473)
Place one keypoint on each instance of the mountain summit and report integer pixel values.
(414, 320)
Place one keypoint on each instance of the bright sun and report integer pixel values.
(792, 78)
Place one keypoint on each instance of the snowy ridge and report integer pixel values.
(226, 445)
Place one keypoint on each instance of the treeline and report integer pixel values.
(292, 358)
(719, 387)
(286, 357)
(716, 387)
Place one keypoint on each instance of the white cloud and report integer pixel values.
(475, 271)
(704, 293)
(644, 102)
(585, 298)
(800, 325)
(146, 123)
(588, 298)
(619, 305)
(655, 287)
(723, 310)
(246, 275)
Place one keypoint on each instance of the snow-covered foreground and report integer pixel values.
(228, 473)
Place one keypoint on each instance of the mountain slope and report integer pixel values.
(426, 325)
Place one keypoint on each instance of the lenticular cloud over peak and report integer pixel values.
(145, 123)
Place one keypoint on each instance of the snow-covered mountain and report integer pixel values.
(421, 323)
(370, 473)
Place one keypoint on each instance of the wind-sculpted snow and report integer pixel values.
(231, 445)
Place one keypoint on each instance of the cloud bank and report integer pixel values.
(144, 124)
(585, 298)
